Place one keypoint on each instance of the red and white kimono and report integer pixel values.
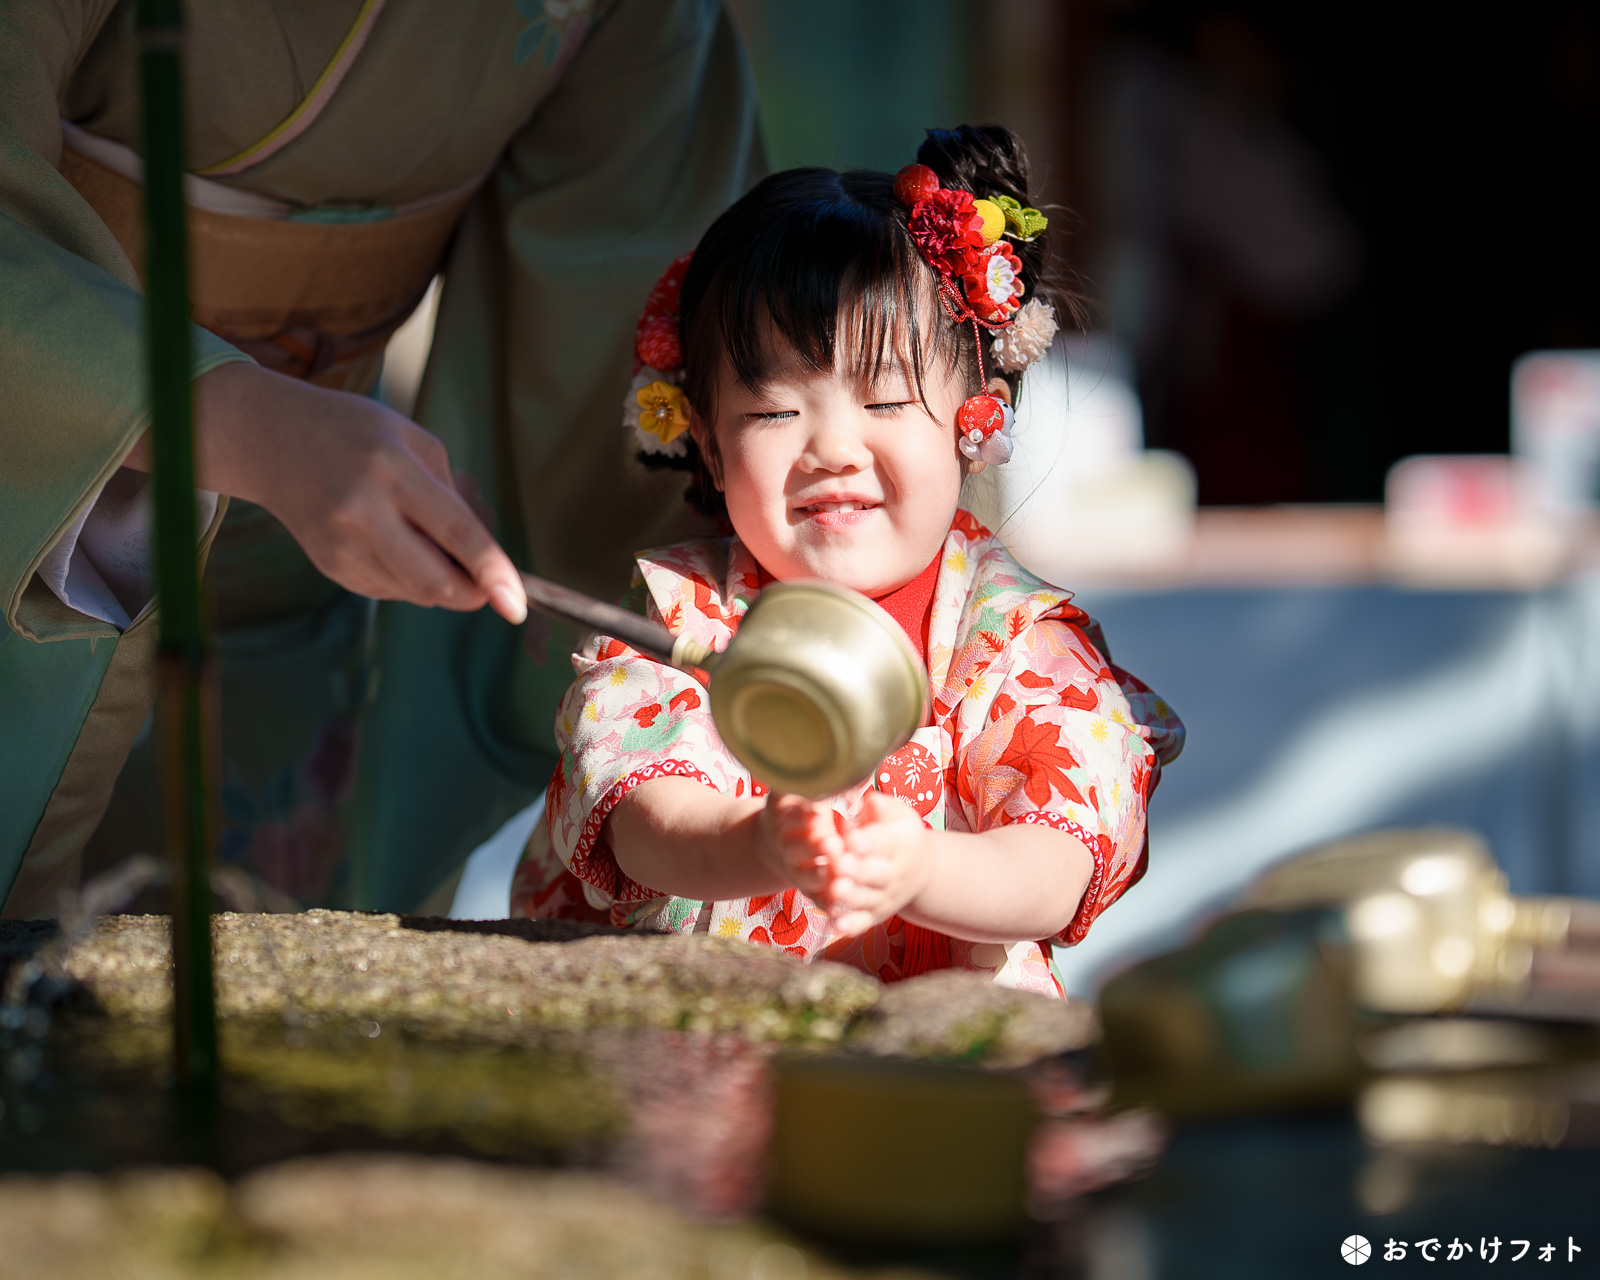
(1030, 723)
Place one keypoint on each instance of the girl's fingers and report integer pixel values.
(813, 882)
(879, 839)
(878, 873)
(877, 807)
(792, 813)
(852, 894)
(820, 837)
(852, 923)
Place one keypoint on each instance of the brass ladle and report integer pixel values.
(816, 687)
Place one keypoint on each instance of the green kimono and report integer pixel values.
(365, 748)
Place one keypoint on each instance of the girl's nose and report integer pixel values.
(833, 446)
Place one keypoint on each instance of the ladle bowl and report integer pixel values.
(816, 687)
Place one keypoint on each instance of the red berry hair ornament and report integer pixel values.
(914, 184)
(655, 341)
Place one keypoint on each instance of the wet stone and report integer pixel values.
(638, 1057)
(472, 980)
(365, 1217)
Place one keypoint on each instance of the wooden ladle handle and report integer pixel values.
(613, 620)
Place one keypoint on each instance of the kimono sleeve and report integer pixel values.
(1062, 744)
(625, 720)
(71, 346)
(648, 136)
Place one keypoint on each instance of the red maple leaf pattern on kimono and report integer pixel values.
(1032, 723)
(1035, 752)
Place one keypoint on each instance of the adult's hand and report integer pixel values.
(365, 491)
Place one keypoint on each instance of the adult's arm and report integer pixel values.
(367, 493)
(71, 350)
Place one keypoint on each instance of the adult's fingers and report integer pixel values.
(441, 513)
(429, 450)
(420, 572)
(355, 566)
(472, 494)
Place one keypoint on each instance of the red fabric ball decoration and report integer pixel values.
(663, 299)
(657, 344)
(984, 414)
(914, 184)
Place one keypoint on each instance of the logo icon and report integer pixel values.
(1356, 1250)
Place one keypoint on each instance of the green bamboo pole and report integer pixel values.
(183, 718)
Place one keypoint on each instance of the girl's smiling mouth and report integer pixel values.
(837, 511)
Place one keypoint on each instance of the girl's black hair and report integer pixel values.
(808, 249)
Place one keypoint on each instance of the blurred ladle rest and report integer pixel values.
(815, 688)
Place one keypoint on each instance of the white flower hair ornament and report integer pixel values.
(655, 411)
(1028, 338)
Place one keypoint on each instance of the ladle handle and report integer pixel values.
(613, 620)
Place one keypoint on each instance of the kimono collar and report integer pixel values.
(911, 604)
(975, 601)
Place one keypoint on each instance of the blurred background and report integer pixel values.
(1325, 467)
(1323, 241)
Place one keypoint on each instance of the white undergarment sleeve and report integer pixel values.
(102, 567)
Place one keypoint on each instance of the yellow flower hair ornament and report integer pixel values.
(661, 417)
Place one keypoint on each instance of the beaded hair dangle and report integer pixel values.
(964, 240)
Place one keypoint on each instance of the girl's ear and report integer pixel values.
(705, 440)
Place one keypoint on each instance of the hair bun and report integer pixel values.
(986, 160)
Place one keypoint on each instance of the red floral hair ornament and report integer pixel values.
(655, 341)
(655, 409)
(947, 231)
(980, 283)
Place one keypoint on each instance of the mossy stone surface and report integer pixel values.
(377, 1218)
(515, 982)
(471, 984)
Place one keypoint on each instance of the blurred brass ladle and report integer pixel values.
(816, 687)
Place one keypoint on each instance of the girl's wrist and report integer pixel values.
(930, 862)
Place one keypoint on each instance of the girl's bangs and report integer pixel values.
(833, 278)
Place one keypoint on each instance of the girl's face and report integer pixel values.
(827, 477)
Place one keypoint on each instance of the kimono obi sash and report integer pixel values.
(316, 300)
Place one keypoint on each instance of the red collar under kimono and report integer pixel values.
(910, 605)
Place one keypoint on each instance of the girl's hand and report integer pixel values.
(887, 860)
(798, 840)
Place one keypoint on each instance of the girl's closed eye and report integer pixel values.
(770, 415)
(888, 407)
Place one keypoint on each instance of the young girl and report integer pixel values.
(840, 352)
